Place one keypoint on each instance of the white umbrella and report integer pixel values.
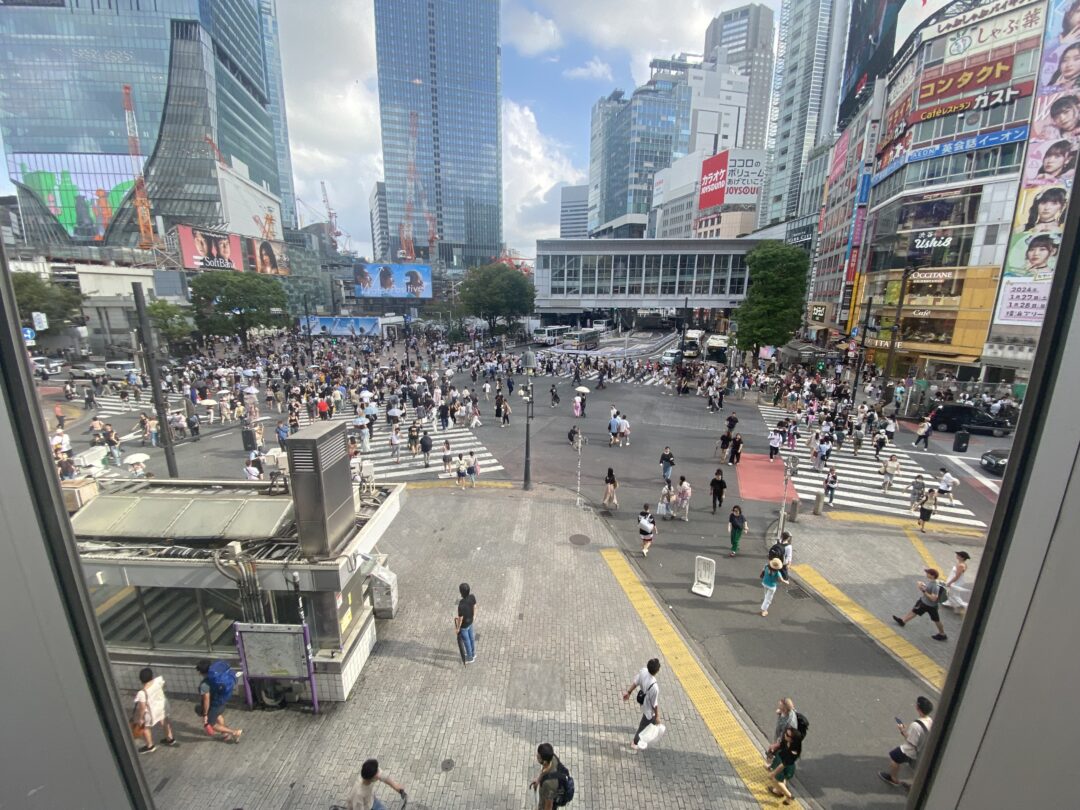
(209, 402)
(394, 412)
(251, 389)
(366, 395)
(136, 458)
(249, 372)
(359, 421)
(581, 389)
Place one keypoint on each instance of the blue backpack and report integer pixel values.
(222, 681)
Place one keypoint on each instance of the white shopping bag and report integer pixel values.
(652, 733)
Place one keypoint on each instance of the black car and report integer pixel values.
(995, 460)
(953, 416)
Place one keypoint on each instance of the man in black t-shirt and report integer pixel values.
(717, 485)
(466, 616)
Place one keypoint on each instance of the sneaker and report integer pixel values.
(169, 741)
(939, 637)
(884, 776)
(644, 552)
(898, 620)
(148, 749)
(470, 660)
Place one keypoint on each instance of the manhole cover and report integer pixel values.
(448, 765)
(579, 539)
(796, 592)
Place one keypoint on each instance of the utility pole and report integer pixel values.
(307, 318)
(150, 354)
(896, 322)
(862, 348)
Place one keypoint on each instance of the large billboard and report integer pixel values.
(245, 205)
(732, 177)
(82, 190)
(983, 35)
(269, 258)
(341, 327)
(869, 48)
(713, 184)
(912, 14)
(201, 249)
(1046, 183)
(391, 280)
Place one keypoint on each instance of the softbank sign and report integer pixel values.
(714, 177)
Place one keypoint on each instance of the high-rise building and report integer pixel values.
(275, 91)
(719, 110)
(380, 227)
(574, 212)
(196, 70)
(745, 37)
(806, 96)
(439, 100)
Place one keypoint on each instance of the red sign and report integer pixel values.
(201, 249)
(713, 185)
(984, 101)
(996, 71)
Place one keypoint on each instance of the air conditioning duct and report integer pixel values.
(321, 487)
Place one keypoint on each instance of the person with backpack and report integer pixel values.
(932, 594)
(215, 689)
(782, 550)
(648, 697)
(646, 528)
(362, 796)
(771, 577)
(914, 734)
(554, 783)
(782, 767)
(786, 717)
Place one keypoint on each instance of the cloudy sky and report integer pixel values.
(558, 58)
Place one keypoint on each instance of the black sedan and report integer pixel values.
(995, 460)
(953, 416)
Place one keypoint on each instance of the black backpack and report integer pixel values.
(776, 551)
(802, 724)
(565, 793)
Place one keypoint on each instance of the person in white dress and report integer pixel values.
(151, 709)
(958, 583)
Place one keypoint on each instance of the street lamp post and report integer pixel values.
(529, 361)
(862, 348)
(896, 321)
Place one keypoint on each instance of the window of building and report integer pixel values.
(558, 275)
(669, 272)
(652, 275)
(588, 275)
(573, 275)
(704, 275)
(603, 275)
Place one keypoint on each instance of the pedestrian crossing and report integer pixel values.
(110, 405)
(859, 478)
(462, 440)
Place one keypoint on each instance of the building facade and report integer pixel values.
(625, 276)
(64, 118)
(574, 212)
(275, 92)
(745, 37)
(440, 109)
(719, 107)
(380, 223)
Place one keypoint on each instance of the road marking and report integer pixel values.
(920, 547)
(900, 523)
(735, 743)
(449, 484)
(993, 486)
(907, 653)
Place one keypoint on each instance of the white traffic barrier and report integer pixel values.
(704, 576)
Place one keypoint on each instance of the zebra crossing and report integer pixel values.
(462, 440)
(110, 405)
(859, 479)
(589, 376)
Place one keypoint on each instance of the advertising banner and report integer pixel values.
(201, 249)
(391, 280)
(964, 80)
(994, 32)
(745, 176)
(838, 159)
(912, 15)
(985, 100)
(341, 327)
(270, 258)
(713, 184)
(869, 50)
(1047, 180)
(982, 12)
(960, 145)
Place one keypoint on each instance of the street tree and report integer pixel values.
(172, 322)
(772, 310)
(231, 303)
(494, 291)
(60, 303)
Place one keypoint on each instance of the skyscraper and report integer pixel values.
(439, 102)
(275, 90)
(64, 123)
(745, 36)
(806, 95)
(574, 212)
(380, 227)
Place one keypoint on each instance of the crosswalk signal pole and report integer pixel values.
(146, 338)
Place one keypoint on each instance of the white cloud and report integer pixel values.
(529, 32)
(534, 168)
(332, 102)
(595, 69)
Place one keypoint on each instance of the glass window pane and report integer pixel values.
(176, 623)
(618, 278)
(120, 616)
(686, 274)
(221, 608)
(633, 286)
(652, 275)
(603, 275)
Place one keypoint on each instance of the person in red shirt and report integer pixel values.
(324, 408)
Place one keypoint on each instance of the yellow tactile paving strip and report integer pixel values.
(901, 523)
(734, 742)
(449, 484)
(920, 547)
(910, 655)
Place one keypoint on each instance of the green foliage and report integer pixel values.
(59, 302)
(231, 303)
(772, 310)
(172, 322)
(494, 291)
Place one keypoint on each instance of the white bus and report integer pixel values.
(692, 341)
(716, 348)
(550, 335)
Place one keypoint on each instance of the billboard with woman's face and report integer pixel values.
(269, 258)
(391, 280)
(201, 249)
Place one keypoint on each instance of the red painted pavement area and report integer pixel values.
(760, 480)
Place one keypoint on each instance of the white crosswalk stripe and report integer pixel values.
(462, 440)
(859, 479)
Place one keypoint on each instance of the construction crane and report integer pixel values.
(217, 152)
(511, 259)
(331, 218)
(147, 238)
(415, 189)
(266, 224)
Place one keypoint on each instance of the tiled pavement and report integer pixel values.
(558, 640)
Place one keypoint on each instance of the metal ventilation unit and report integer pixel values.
(321, 488)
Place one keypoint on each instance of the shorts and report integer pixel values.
(460, 475)
(900, 758)
(925, 514)
(930, 610)
(215, 712)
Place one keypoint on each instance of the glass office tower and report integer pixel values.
(439, 98)
(63, 67)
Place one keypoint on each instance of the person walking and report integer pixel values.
(665, 507)
(788, 551)
(682, 498)
(446, 456)
(395, 445)
(880, 440)
(735, 455)
(915, 491)
(362, 796)
(957, 585)
(857, 436)
(462, 469)
(737, 524)
(927, 507)
(946, 484)
(771, 577)
(667, 461)
(914, 734)
(610, 485)
(646, 529)
(776, 439)
(922, 434)
(648, 697)
(889, 470)
(931, 594)
(717, 485)
(425, 448)
(786, 717)
(782, 767)
(624, 430)
(553, 782)
(282, 433)
(613, 430)
(465, 621)
(215, 689)
(830, 485)
(151, 709)
(505, 414)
